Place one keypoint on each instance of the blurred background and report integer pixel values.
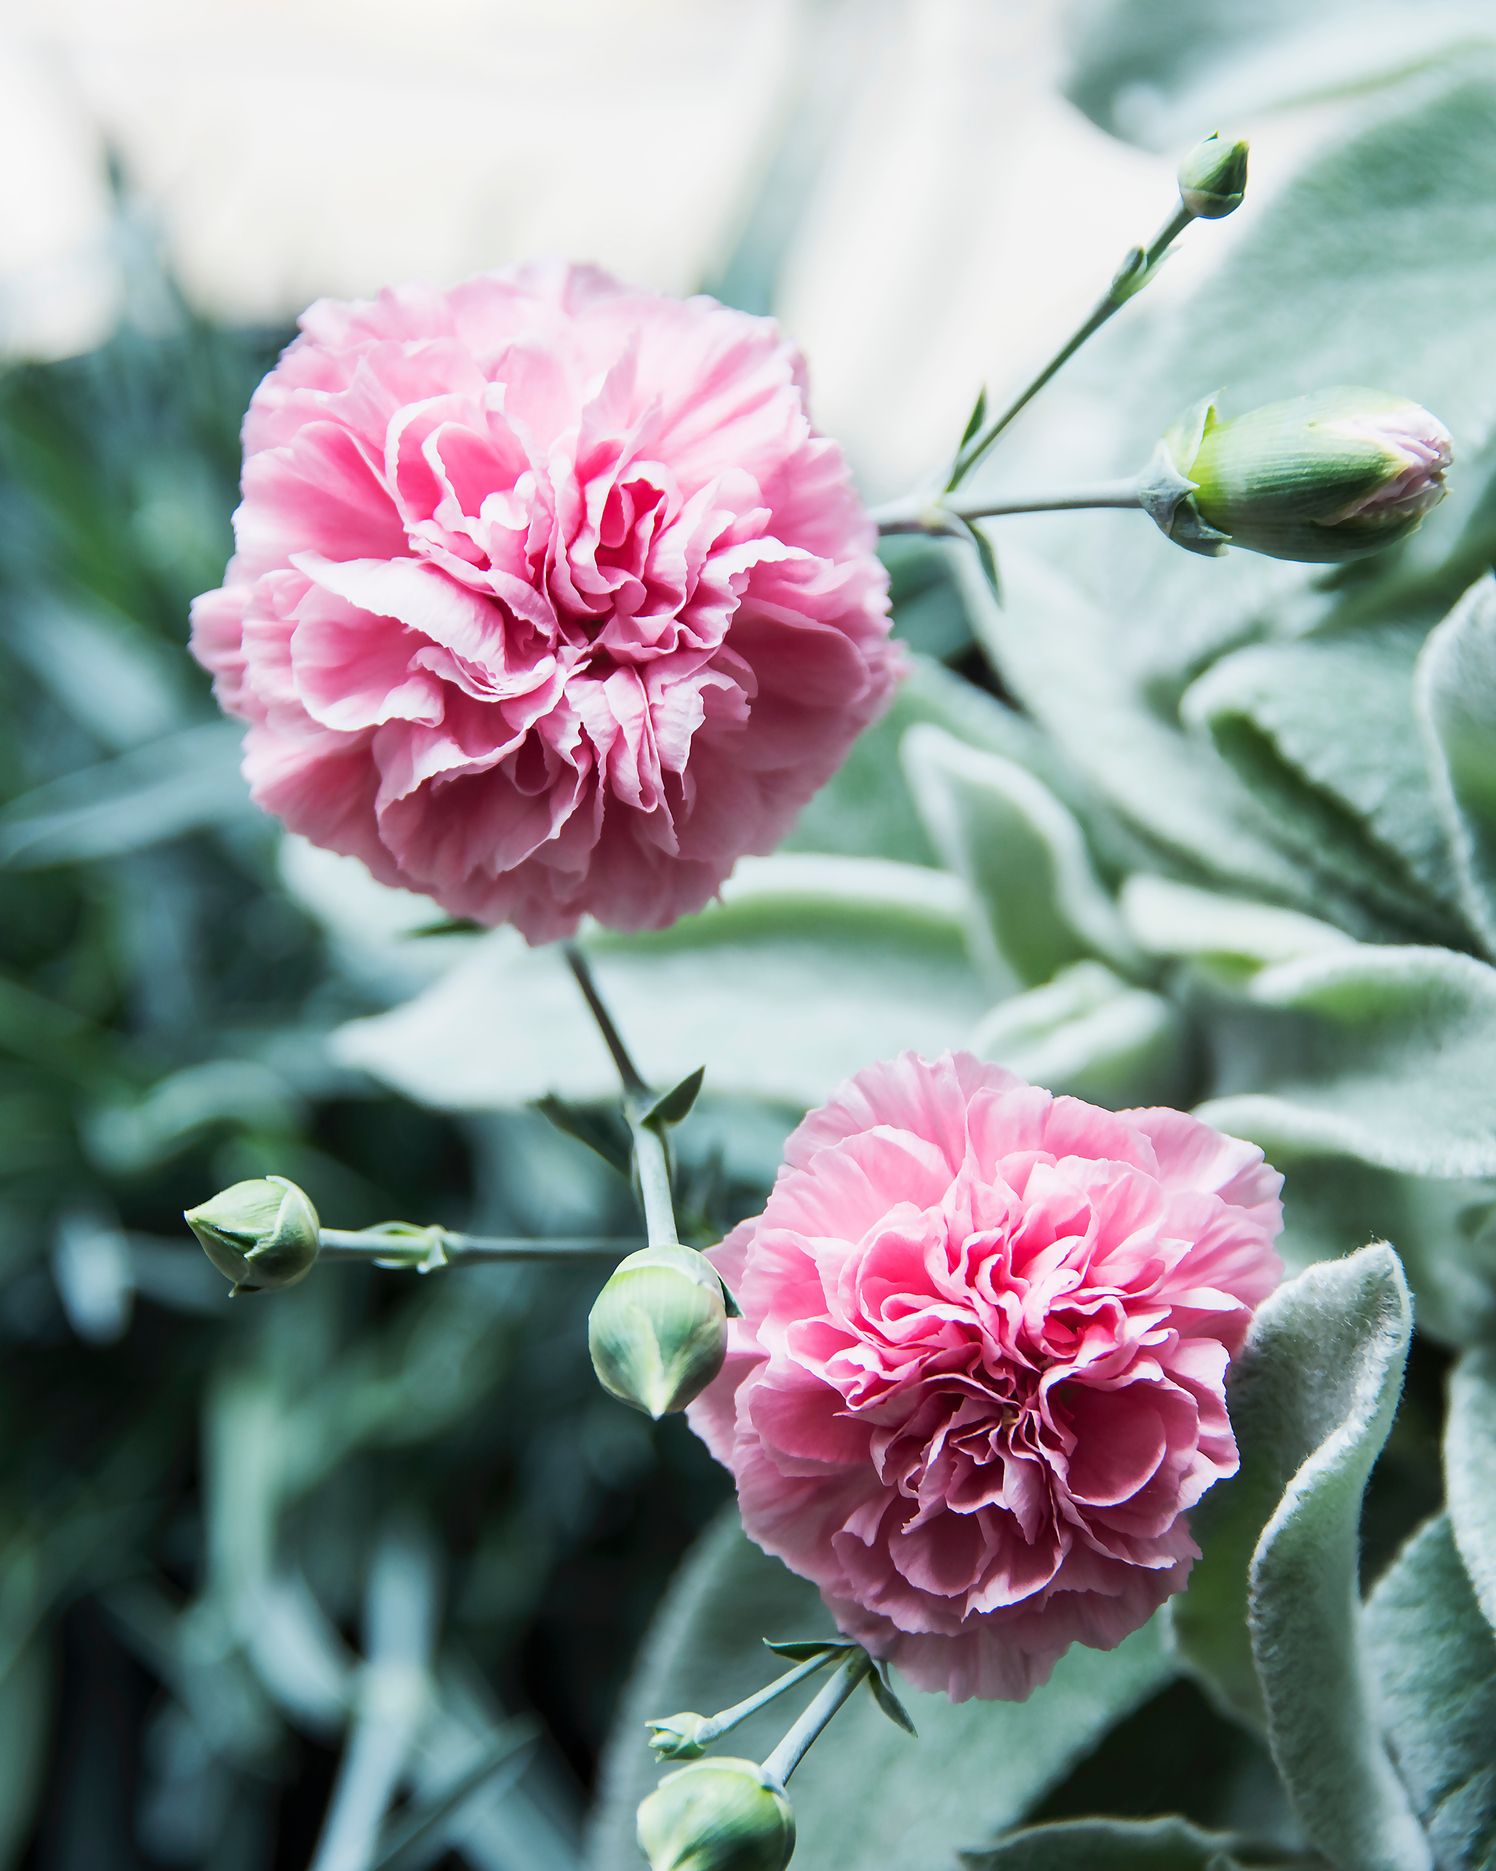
(269, 1570)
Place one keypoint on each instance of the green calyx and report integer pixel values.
(658, 1329)
(717, 1815)
(1320, 478)
(260, 1234)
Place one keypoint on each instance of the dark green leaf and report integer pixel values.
(801, 1652)
(602, 1130)
(886, 1700)
(975, 420)
(672, 1106)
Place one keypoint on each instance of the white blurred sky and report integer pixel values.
(288, 148)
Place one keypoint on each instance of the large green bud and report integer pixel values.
(658, 1329)
(258, 1234)
(717, 1815)
(1318, 478)
(1213, 178)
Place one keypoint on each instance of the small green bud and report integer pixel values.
(1318, 478)
(658, 1329)
(258, 1234)
(717, 1815)
(681, 1737)
(1213, 178)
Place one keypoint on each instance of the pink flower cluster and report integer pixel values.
(547, 599)
(979, 1377)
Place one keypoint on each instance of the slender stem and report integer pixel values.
(934, 516)
(728, 1719)
(651, 1158)
(1129, 280)
(798, 1742)
(612, 1038)
(441, 1244)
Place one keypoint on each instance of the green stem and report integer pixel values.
(798, 1742)
(1130, 278)
(727, 1719)
(434, 1246)
(934, 515)
(651, 1158)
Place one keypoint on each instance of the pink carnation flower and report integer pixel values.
(547, 599)
(979, 1378)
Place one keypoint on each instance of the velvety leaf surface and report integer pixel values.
(1232, 935)
(1303, 1607)
(1022, 855)
(1456, 698)
(1445, 1232)
(868, 808)
(1381, 1053)
(808, 968)
(1434, 1657)
(1113, 1845)
(1359, 801)
(1155, 71)
(1314, 1385)
(869, 1796)
(1470, 1471)
(1092, 1034)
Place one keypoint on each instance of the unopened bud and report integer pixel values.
(717, 1815)
(658, 1329)
(1213, 178)
(1324, 477)
(258, 1234)
(682, 1737)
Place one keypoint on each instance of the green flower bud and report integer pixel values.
(258, 1234)
(681, 1737)
(658, 1329)
(1319, 478)
(1213, 178)
(717, 1815)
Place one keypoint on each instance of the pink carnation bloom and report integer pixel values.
(979, 1377)
(547, 598)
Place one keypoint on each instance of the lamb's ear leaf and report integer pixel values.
(807, 968)
(1303, 1602)
(1470, 1471)
(1455, 693)
(1041, 900)
(1323, 1356)
(1434, 1657)
(876, 1796)
(1117, 1845)
(1373, 1051)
